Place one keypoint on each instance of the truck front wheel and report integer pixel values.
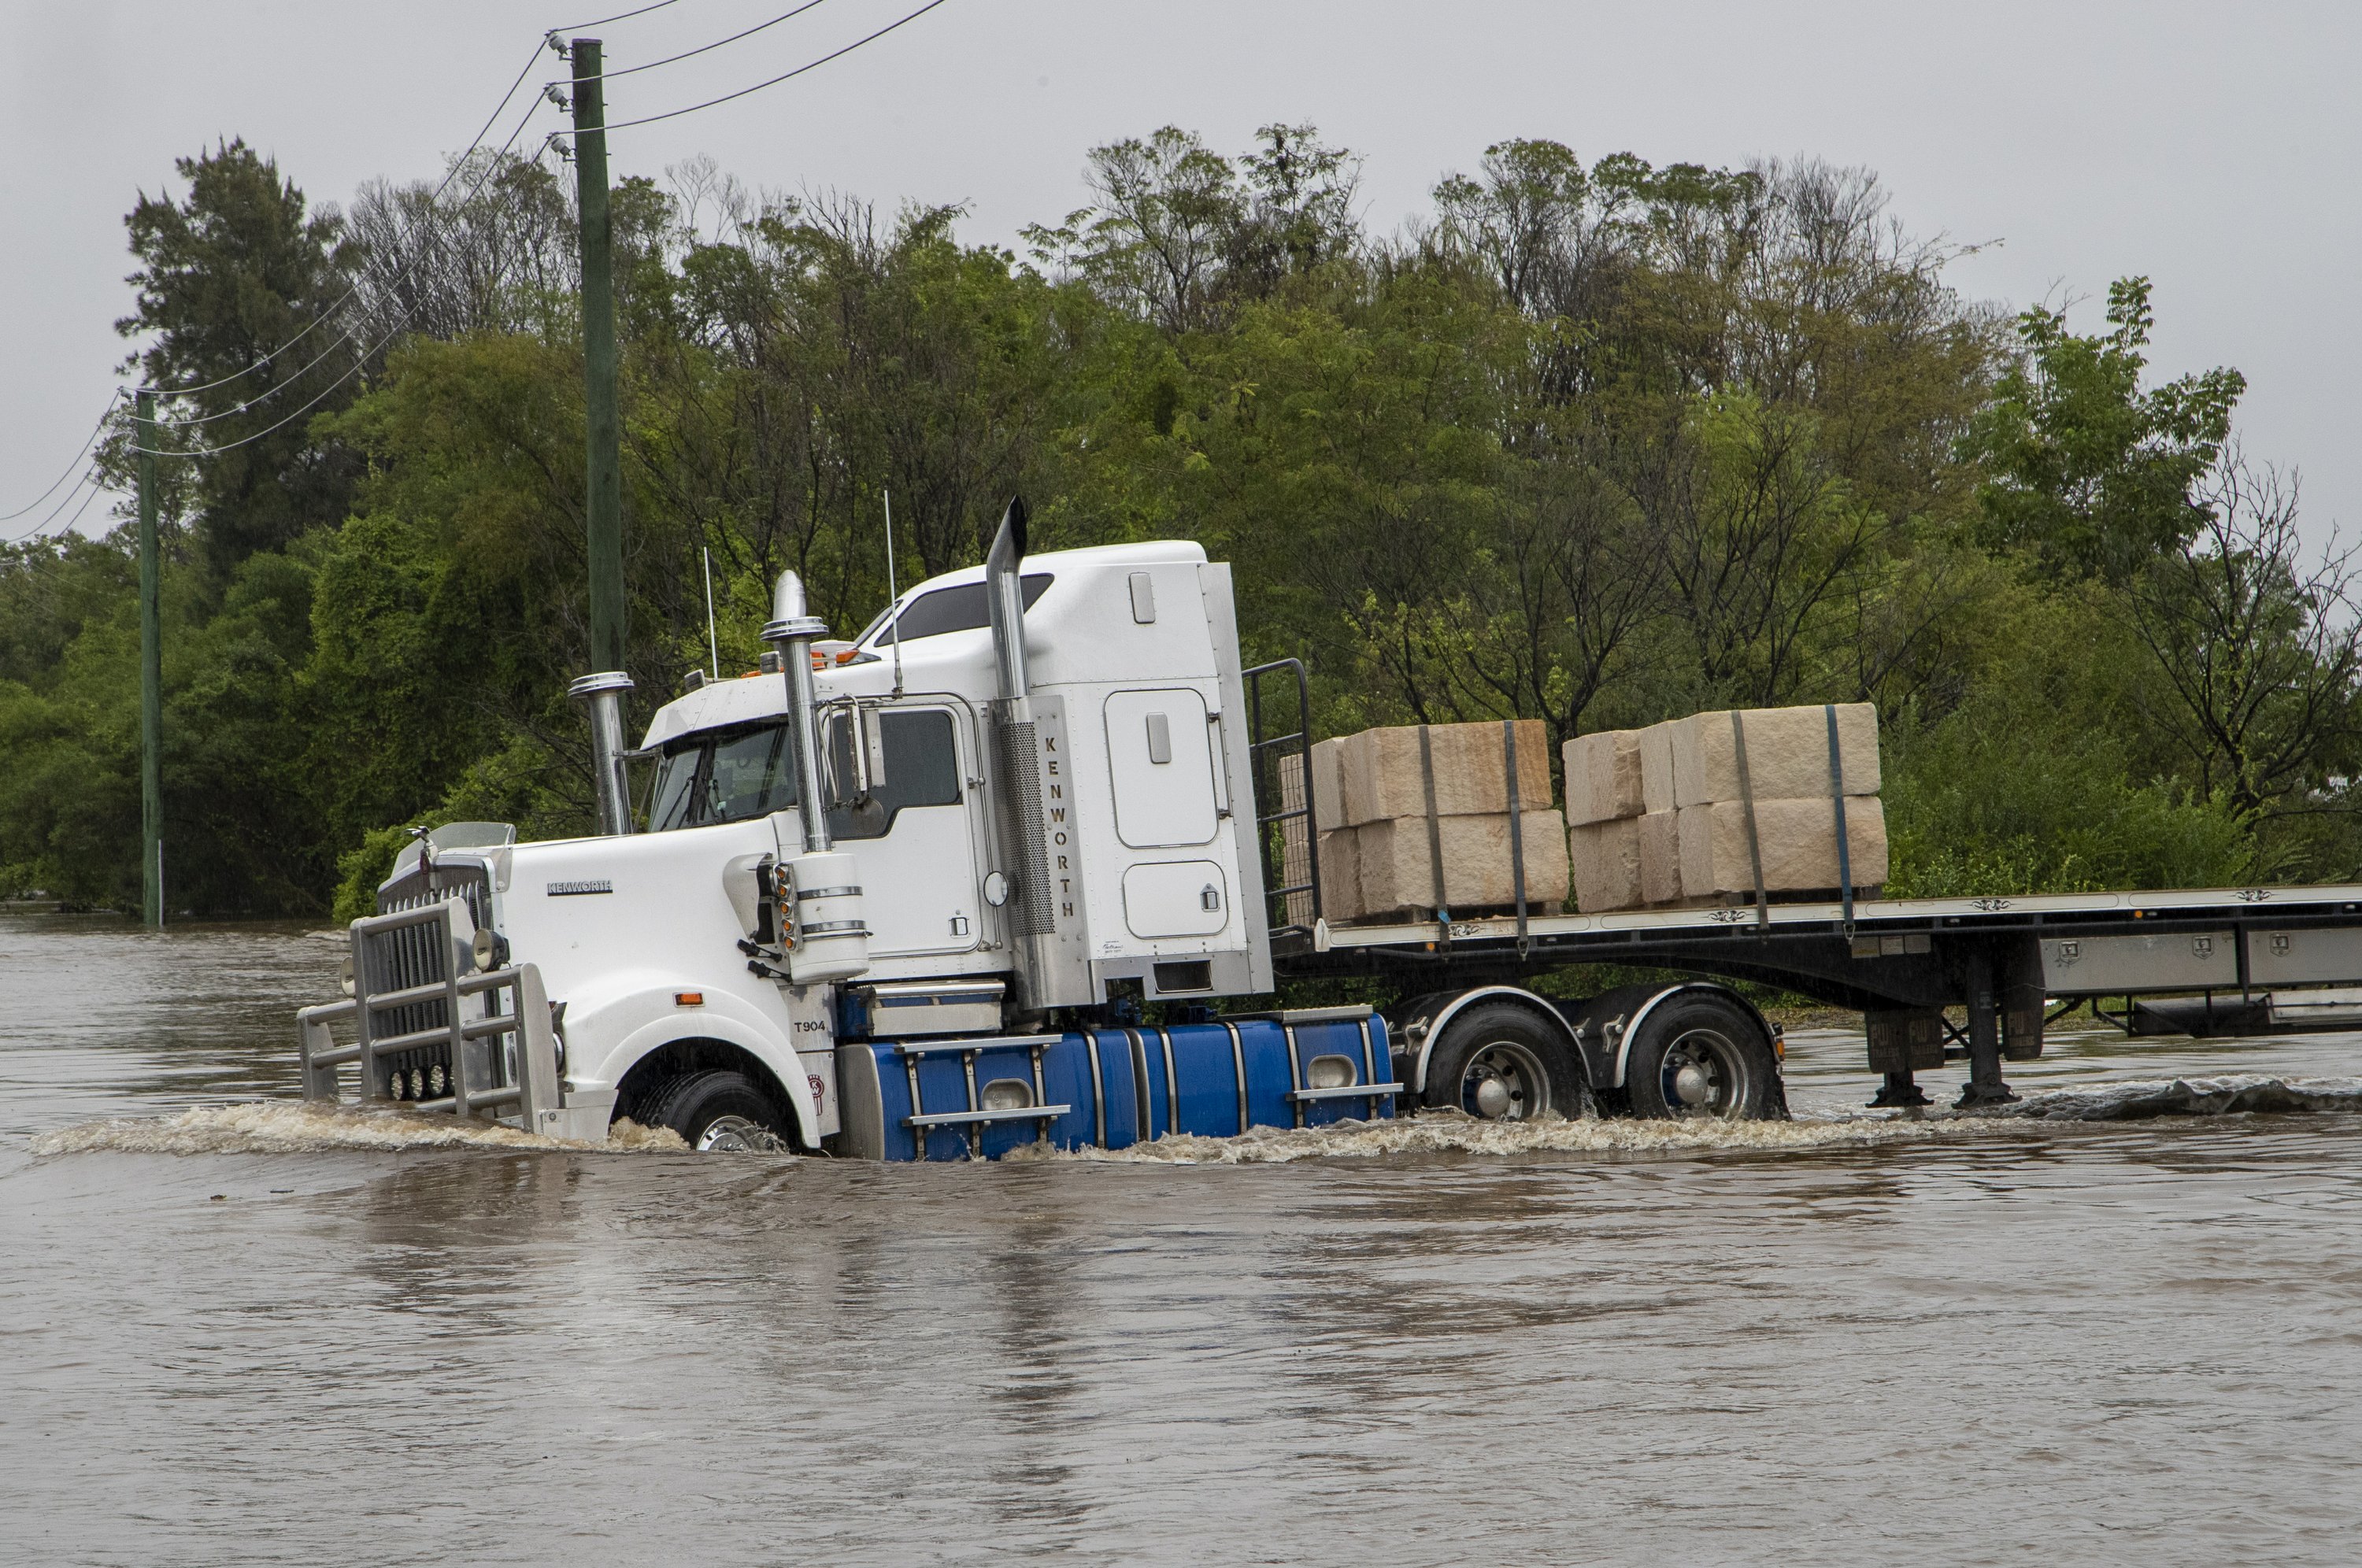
(720, 1112)
(1702, 1056)
(1499, 1063)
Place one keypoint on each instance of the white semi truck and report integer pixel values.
(989, 874)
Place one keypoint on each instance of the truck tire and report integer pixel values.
(720, 1112)
(1499, 1063)
(1704, 1056)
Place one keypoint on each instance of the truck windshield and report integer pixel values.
(751, 772)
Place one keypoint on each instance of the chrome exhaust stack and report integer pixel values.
(605, 693)
(819, 891)
(1033, 816)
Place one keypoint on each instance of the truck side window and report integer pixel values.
(752, 772)
(921, 769)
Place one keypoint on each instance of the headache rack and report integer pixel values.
(1280, 764)
(428, 1029)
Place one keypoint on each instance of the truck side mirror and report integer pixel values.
(855, 761)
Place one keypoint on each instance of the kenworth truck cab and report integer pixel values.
(919, 894)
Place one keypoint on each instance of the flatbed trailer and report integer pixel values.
(2232, 962)
(998, 888)
(2203, 962)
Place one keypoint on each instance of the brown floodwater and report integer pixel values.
(2125, 1329)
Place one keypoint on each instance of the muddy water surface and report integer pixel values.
(2126, 1328)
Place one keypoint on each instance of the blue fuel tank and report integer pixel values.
(978, 1098)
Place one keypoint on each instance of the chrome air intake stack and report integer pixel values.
(1033, 815)
(605, 693)
(819, 889)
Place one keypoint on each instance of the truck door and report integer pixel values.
(914, 841)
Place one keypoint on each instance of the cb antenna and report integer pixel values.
(893, 594)
(712, 637)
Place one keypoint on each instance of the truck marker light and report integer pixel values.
(689, 999)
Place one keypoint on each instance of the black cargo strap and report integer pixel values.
(1837, 803)
(1517, 830)
(1747, 800)
(1434, 833)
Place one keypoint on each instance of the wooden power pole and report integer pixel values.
(152, 676)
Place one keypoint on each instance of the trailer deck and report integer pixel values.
(2242, 959)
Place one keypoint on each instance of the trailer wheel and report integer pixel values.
(1702, 1056)
(1500, 1062)
(719, 1112)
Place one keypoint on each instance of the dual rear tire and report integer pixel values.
(1700, 1054)
(1498, 1061)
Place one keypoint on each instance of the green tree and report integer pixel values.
(2088, 472)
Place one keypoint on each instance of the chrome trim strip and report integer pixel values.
(976, 1118)
(973, 1043)
(1098, 1088)
(1346, 1091)
(918, 1106)
(1294, 1069)
(1369, 1072)
(1239, 1071)
(1143, 1104)
(1172, 1082)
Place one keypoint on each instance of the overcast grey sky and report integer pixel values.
(2211, 147)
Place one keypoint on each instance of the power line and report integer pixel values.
(86, 443)
(329, 311)
(475, 143)
(327, 314)
(89, 477)
(702, 49)
(774, 81)
(618, 16)
(354, 369)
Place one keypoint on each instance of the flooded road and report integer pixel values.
(2024, 1340)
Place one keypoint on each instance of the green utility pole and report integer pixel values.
(152, 677)
(603, 500)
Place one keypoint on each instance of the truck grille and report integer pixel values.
(414, 956)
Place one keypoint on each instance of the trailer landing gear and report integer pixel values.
(1900, 1090)
(1984, 1085)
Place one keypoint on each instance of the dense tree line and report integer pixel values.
(1595, 443)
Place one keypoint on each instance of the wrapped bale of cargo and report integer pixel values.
(1395, 865)
(1312, 795)
(1420, 818)
(1655, 746)
(1444, 770)
(1605, 858)
(1602, 777)
(1706, 778)
(1786, 754)
(1796, 842)
(1329, 784)
(1660, 858)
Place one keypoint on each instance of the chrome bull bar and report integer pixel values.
(498, 1062)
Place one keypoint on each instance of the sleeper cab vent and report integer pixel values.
(904, 1010)
(1186, 975)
